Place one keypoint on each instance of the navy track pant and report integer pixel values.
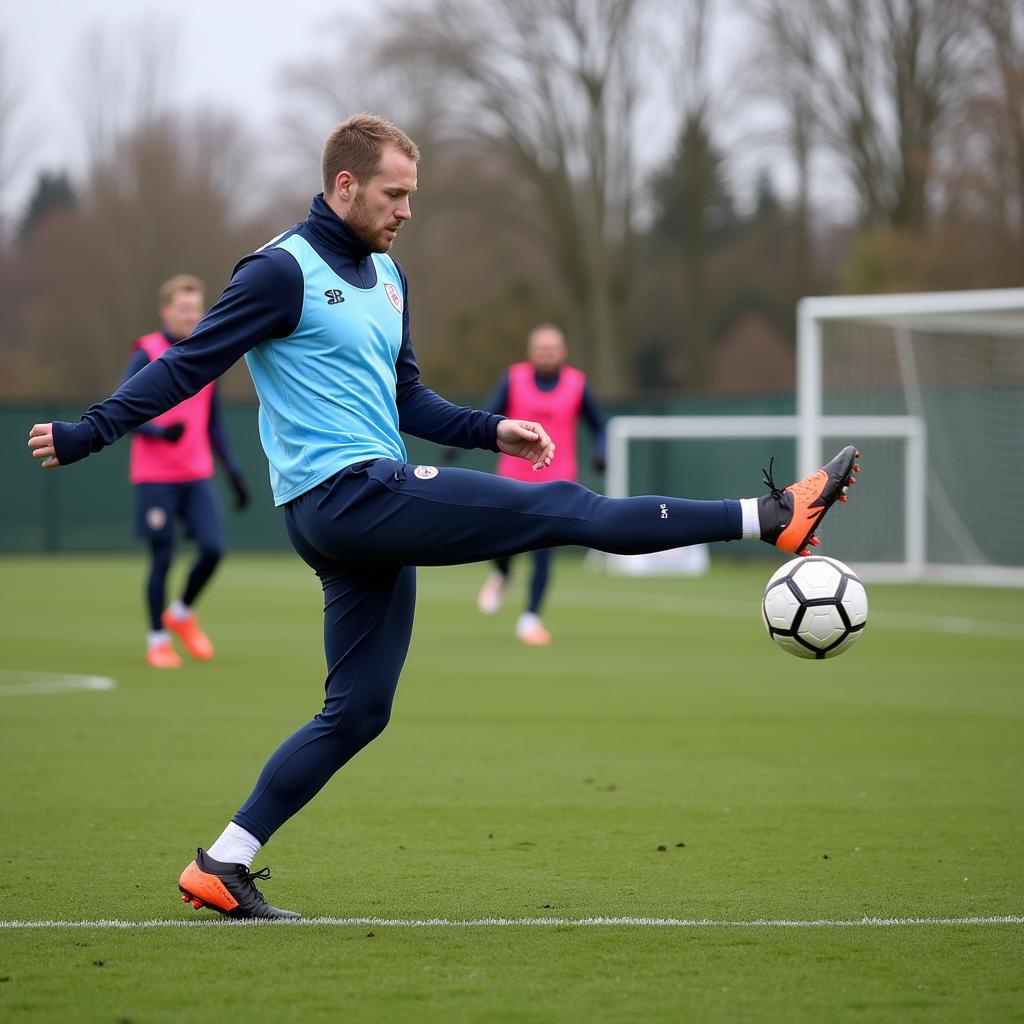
(157, 508)
(363, 530)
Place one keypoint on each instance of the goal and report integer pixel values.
(946, 505)
(931, 387)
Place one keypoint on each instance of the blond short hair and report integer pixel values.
(356, 145)
(180, 283)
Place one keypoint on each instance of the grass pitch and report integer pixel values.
(660, 760)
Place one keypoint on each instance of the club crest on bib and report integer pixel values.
(425, 472)
(156, 518)
(396, 299)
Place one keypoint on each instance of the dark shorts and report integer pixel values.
(194, 504)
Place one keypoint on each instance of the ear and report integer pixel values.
(345, 186)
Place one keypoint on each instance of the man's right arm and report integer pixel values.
(262, 301)
(138, 360)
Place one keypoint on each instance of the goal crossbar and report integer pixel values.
(622, 430)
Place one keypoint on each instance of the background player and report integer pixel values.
(172, 471)
(546, 389)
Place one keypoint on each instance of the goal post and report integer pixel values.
(954, 363)
(931, 387)
(907, 431)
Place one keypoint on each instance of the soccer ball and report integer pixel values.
(814, 607)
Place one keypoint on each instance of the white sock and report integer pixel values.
(156, 637)
(751, 520)
(235, 846)
(179, 611)
(527, 621)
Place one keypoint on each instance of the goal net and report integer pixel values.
(944, 502)
(930, 387)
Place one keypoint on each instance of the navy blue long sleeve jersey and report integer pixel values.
(263, 302)
(218, 435)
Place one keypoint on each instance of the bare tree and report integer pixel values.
(886, 78)
(12, 131)
(693, 182)
(122, 78)
(997, 124)
(163, 193)
(784, 66)
(548, 87)
(162, 201)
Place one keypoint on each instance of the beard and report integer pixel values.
(360, 221)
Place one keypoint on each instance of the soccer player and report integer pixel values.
(172, 470)
(321, 315)
(546, 389)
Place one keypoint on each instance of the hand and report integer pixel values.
(525, 440)
(240, 490)
(599, 463)
(40, 440)
(173, 432)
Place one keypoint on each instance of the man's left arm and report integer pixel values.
(222, 449)
(592, 412)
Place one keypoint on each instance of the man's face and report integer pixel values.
(547, 350)
(381, 205)
(182, 313)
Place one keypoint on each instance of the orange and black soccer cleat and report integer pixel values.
(789, 517)
(162, 656)
(196, 642)
(227, 888)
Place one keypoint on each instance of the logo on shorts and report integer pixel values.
(664, 510)
(396, 299)
(425, 472)
(156, 518)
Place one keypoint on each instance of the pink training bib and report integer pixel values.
(557, 411)
(155, 461)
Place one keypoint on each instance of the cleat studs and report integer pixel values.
(184, 898)
(843, 498)
(804, 553)
(856, 467)
(815, 542)
(196, 904)
(856, 454)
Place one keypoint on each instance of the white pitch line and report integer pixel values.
(513, 922)
(20, 684)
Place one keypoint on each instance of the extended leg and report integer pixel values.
(383, 512)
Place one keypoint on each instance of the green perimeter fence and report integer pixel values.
(89, 507)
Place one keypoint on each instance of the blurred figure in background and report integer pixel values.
(545, 389)
(172, 470)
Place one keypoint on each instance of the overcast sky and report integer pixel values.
(229, 51)
(232, 53)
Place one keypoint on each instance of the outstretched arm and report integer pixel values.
(262, 301)
(138, 360)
